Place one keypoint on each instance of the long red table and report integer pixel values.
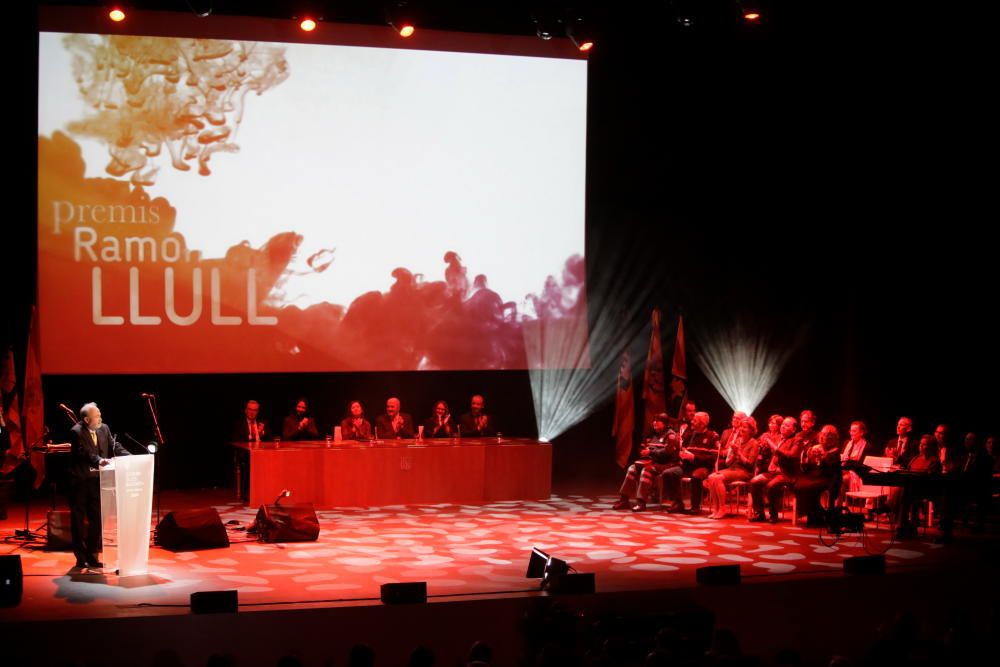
(396, 472)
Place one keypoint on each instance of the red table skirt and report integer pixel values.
(400, 472)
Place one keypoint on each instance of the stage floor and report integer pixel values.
(459, 550)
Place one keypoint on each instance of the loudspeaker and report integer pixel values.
(573, 583)
(11, 581)
(59, 537)
(287, 523)
(718, 575)
(405, 593)
(215, 602)
(190, 530)
(864, 565)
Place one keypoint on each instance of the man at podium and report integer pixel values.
(93, 447)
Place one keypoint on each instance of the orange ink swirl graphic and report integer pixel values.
(185, 94)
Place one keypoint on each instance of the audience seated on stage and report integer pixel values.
(394, 424)
(769, 442)
(476, 422)
(300, 425)
(852, 454)
(355, 426)
(820, 467)
(740, 455)
(907, 500)
(660, 456)
(781, 472)
(440, 424)
(903, 447)
(699, 456)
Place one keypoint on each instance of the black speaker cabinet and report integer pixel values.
(215, 602)
(404, 593)
(718, 575)
(190, 530)
(287, 523)
(11, 581)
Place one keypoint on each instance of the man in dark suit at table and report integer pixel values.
(93, 447)
(476, 422)
(250, 429)
(394, 424)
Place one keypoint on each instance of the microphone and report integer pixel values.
(284, 494)
(145, 395)
(69, 413)
(144, 447)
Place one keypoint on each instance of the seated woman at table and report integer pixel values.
(440, 424)
(355, 426)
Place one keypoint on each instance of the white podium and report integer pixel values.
(126, 509)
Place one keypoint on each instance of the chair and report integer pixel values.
(867, 491)
(735, 491)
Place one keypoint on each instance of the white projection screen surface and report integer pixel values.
(240, 205)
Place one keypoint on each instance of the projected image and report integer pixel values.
(233, 206)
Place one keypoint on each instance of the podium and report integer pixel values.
(126, 509)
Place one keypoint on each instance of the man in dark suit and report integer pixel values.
(251, 430)
(904, 447)
(93, 447)
(476, 422)
(394, 424)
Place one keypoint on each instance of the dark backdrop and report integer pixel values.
(819, 174)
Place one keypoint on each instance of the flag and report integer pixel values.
(678, 371)
(34, 414)
(8, 381)
(652, 384)
(624, 413)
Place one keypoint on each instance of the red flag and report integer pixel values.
(34, 414)
(678, 371)
(653, 386)
(624, 413)
(12, 418)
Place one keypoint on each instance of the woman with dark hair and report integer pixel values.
(769, 442)
(820, 465)
(354, 426)
(740, 457)
(440, 424)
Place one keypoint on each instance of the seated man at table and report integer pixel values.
(250, 428)
(300, 425)
(393, 424)
(475, 422)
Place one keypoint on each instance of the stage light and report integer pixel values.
(555, 569)
(151, 448)
(580, 34)
(685, 12)
(536, 564)
(750, 11)
(307, 24)
(401, 18)
(546, 27)
(741, 365)
(116, 14)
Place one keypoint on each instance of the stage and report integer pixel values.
(468, 555)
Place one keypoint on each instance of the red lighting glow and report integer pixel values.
(308, 25)
(116, 15)
(407, 30)
(586, 46)
(752, 16)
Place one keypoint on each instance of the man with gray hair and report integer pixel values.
(93, 447)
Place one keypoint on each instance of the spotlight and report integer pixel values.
(685, 12)
(546, 27)
(307, 24)
(750, 11)
(116, 14)
(580, 34)
(308, 13)
(555, 569)
(401, 18)
(536, 564)
(151, 447)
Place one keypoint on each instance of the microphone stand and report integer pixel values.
(27, 534)
(158, 434)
